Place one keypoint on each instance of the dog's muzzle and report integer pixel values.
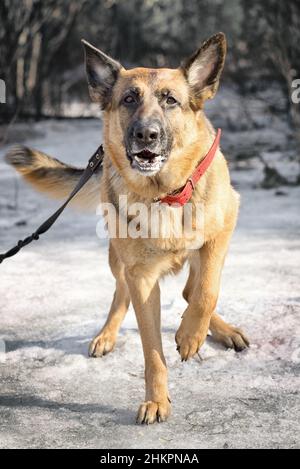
(146, 147)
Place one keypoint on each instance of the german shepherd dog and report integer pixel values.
(155, 135)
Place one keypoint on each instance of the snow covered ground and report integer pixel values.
(55, 295)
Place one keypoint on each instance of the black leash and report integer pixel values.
(93, 164)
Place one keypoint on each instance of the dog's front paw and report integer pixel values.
(102, 344)
(190, 337)
(151, 412)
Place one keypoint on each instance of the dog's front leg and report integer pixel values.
(145, 296)
(203, 298)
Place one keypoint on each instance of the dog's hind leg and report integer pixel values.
(105, 341)
(229, 336)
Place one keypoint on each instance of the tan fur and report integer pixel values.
(53, 177)
(138, 264)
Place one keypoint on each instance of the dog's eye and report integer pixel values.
(129, 99)
(171, 101)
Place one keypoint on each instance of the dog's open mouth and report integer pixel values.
(146, 161)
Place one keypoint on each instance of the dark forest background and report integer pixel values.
(41, 60)
(41, 56)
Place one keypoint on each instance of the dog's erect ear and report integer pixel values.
(204, 68)
(102, 73)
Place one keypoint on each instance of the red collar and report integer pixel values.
(186, 193)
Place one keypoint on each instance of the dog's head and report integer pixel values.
(150, 115)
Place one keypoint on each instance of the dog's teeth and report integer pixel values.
(151, 164)
(140, 160)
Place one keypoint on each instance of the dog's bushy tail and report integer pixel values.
(53, 177)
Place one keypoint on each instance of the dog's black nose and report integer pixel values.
(146, 133)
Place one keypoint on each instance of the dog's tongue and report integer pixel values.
(147, 155)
